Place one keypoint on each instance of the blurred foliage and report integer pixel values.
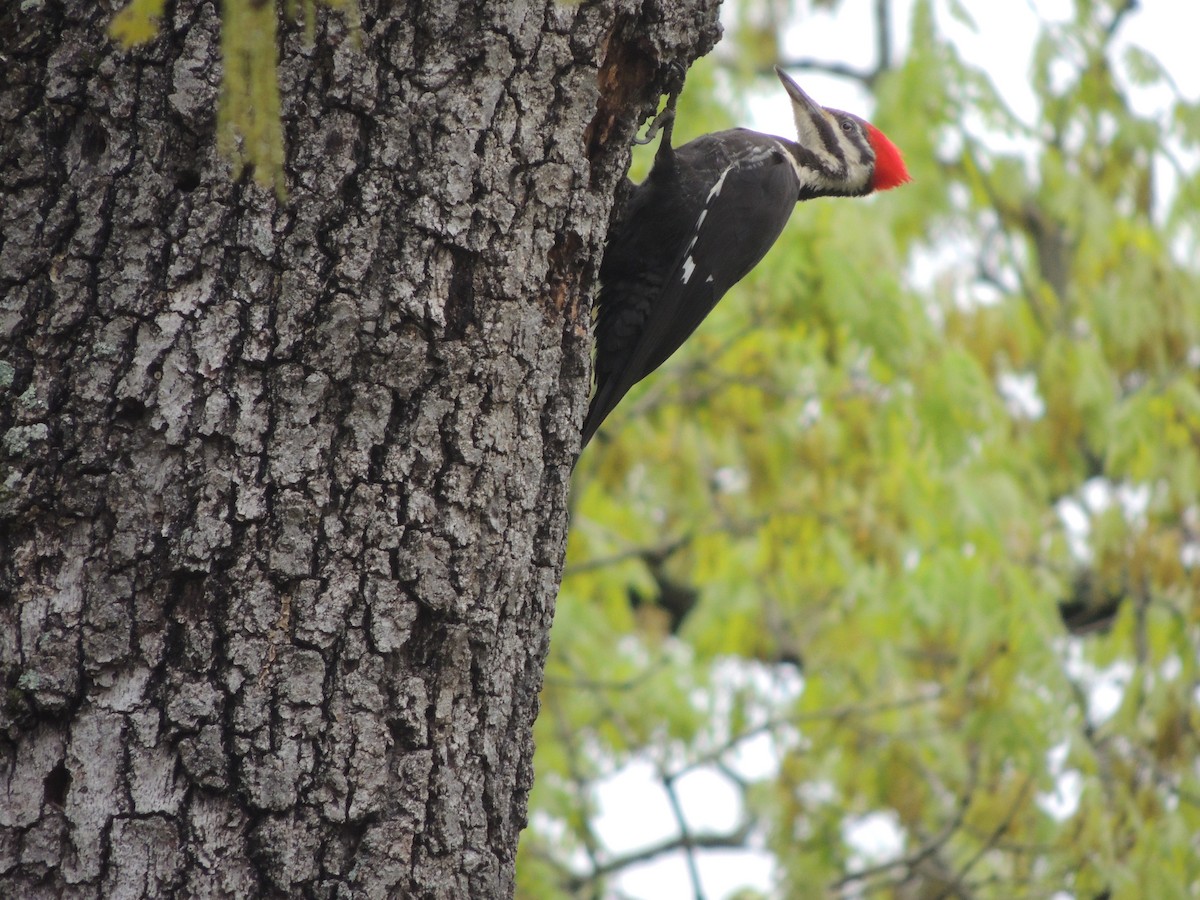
(916, 507)
(249, 121)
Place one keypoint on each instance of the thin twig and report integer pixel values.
(661, 551)
(685, 834)
(930, 847)
(997, 832)
(730, 840)
(810, 64)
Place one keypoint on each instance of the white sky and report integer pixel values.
(634, 810)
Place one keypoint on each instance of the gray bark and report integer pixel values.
(283, 485)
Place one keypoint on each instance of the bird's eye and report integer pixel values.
(846, 126)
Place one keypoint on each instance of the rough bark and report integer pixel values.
(283, 485)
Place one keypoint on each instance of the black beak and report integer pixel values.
(797, 95)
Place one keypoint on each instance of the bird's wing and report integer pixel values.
(737, 221)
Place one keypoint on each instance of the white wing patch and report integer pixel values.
(689, 264)
(716, 188)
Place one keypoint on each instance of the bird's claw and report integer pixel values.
(676, 72)
(660, 120)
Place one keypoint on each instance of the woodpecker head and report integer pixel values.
(849, 156)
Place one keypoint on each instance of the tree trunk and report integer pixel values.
(283, 484)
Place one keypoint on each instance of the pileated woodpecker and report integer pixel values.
(704, 217)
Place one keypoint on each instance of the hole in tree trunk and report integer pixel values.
(56, 784)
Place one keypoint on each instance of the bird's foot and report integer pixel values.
(664, 117)
(677, 71)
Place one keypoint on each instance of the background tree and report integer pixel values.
(283, 487)
(914, 515)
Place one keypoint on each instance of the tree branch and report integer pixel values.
(730, 840)
(883, 35)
